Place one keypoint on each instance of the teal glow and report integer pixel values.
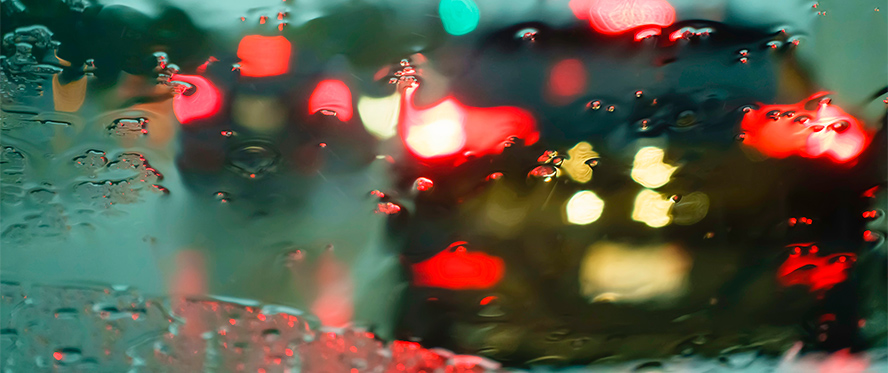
(460, 17)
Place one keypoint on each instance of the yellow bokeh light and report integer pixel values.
(259, 113)
(583, 208)
(652, 209)
(691, 209)
(575, 165)
(617, 272)
(648, 168)
(380, 115)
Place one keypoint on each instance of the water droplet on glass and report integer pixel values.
(774, 44)
(222, 197)
(67, 355)
(545, 172)
(743, 60)
(638, 94)
(649, 367)
(229, 133)
(423, 184)
(594, 105)
(527, 34)
(686, 118)
(840, 126)
(611, 108)
(675, 198)
(388, 208)
(253, 161)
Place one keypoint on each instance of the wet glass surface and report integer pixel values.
(443, 186)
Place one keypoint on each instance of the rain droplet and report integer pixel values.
(773, 115)
(423, 184)
(675, 198)
(294, 257)
(387, 208)
(592, 162)
(253, 161)
(740, 137)
(649, 367)
(840, 126)
(222, 197)
(743, 60)
(594, 105)
(547, 156)
(229, 133)
(638, 94)
(686, 118)
(774, 44)
(527, 34)
(611, 108)
(545, 172)
(494, 176)
(67, 355)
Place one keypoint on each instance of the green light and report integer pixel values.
(460, 17)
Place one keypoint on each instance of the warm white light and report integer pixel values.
(652, 209)
(583, 208)
(438, 131)
(649, 169)
(380, 115)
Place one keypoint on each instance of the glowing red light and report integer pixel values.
(264, 55)
(828, 132)
(453, 131)
(870, 236)
(456, 269)
(203, 101)
(488, 299)
(331, 96)
(567, 79)
(288, 352)
(617, 16)
(871, 192)
(58, 355)
(816, 272)
(333, 305)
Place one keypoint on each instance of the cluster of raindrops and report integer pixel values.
(12, 175)
(547, 169)
(688, 33)
(116, 328)
(128, 127)
(406, 75)
(107, 193)
(29, 58)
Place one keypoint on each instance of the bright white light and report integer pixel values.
(583, 208)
